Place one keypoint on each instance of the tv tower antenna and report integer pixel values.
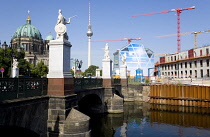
(89, 34)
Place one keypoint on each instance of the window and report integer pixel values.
(190, 72)
(201, 73)
(201, 63)
(207, 62)
(190, 65)
(195, 64)
(195, 73)
(207, 73)
(207, 51)
(181, 65)
(200, 52)
(185, 64)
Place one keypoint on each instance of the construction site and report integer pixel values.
(184, 67)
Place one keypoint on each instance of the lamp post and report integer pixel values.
(78, 64)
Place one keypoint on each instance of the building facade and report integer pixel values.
(137, 57)
(193, 63)
(28, 38)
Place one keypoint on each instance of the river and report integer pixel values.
(143, 119)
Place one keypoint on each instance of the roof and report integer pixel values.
(49, 37)
(27, 31)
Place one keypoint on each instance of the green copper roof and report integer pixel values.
(28, 31)
(49, 37)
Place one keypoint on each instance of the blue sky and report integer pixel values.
(111, 19)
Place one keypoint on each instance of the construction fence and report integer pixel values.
(185, 95)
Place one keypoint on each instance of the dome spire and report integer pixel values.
(28, 20)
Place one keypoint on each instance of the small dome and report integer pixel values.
(49, 37)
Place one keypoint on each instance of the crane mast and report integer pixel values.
(178, 11)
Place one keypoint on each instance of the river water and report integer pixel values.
(143, 119)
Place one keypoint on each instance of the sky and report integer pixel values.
(111, 19)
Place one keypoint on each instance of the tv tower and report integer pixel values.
(89, 34)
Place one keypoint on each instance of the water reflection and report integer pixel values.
(143, 119)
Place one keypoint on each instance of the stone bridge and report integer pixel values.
(40, 112)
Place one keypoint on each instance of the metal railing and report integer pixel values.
(116, 81)
(134, 81)
(86, 83)
(14, 88)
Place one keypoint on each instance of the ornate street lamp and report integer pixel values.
(79, 63)
(4, 46)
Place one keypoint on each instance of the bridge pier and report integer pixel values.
(63, 119)
(113, 103)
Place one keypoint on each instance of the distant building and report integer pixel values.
(137, 57)
(28, 38)
(193, 63)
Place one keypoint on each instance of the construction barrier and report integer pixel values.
(185, 95)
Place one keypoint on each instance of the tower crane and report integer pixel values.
(178, 11)
(186, 33)
(128, 39)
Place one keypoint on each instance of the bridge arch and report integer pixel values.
(90, 104)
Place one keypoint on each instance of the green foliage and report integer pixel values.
(40, 70)
(24, 67)
(91, 71)
(147, 81)
(6, 57)
(72, 72)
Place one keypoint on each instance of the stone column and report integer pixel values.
(59, 65)
(123, 75)
(98, 73)
(107, 72)
(15, 72)
(60, 81)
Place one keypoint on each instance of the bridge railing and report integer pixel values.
(85, 83)
(116, 81)
(14, 88)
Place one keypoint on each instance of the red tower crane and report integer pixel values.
(128, 39)
(178, 11)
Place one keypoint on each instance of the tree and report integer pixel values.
(72, 72)
(91, 71)
(24, 67)
(40, 70)
(6, 57)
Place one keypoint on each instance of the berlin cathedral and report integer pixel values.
(28, 38)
